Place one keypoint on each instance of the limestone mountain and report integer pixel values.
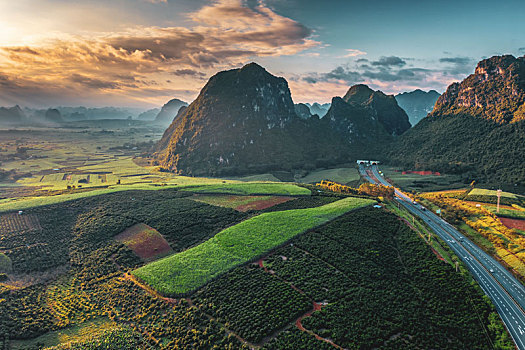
(496, 91)
(53, 115)
(12, 115)
(476, 129)
(302, 111)
(381, 107)
(417, 104)
(319, 109)
(238, 123)
(150, 114)
(244, 121)
(169, 111)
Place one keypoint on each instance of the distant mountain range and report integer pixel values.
(477, 127)
(417, 104)
(319, 109)
(169, 111)
(244, 121)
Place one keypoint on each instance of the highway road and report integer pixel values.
(505, 291)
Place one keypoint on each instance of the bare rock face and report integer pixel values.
(496, 91)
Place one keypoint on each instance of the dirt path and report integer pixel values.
(150, 290)
(298, 321)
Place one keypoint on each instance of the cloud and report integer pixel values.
(388, 73)
(389, 61)
(189, 72)
(224, 34)
(456, 60)
(353, 53)
(521, 50)
(458, 65)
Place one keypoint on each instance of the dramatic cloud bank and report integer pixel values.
(144, 63)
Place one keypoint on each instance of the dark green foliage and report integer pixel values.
(392, 291)
(296, 339)
(477, 149)
(252, 303)
(476, 129)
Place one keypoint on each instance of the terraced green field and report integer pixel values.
(183, 273)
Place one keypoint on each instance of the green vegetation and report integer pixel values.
(464, 145)
(375, 274)
(75, 334)
(182, 273)
(253, 303)
(416, 182)
(269, 188)
(5, 263)
(118, 339)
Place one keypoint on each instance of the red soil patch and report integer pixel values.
(145, 241)
(263, 203)
(513, 223)
(437, 254)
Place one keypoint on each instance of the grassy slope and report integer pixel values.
(483, 192)
(201, 185)
(185, 272)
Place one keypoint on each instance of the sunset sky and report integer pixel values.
(141, 53)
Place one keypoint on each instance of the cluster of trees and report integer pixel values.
(251, 302)
(397, 294)
(81, 233)
(475, 148)
(366, 189)
(376, 190)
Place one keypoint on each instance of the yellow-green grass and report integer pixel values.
(252, 188)
(182, 273)
(12, 204)
(5, 263)
(81, 332)
(340, 175)
(484, 192)
(508, 213)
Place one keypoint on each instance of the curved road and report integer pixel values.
(505, 291)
